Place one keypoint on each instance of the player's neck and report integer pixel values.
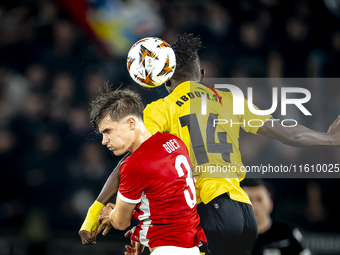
(176, 83)
(143, 135)
(264, 225)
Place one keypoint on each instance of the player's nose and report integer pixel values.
(105, 139)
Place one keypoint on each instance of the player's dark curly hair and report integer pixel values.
(258, 182)
(187, 60)
(118, 104)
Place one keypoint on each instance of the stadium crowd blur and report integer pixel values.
(53, 164)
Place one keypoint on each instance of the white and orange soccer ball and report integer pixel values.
(151, 62)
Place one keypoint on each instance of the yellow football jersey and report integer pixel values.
(211, 136)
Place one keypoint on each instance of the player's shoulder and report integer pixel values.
(287, 230)
(225, 94)
(167, 136)
(158, 104)
(163, 138)
(158, 142)
(282, 226)
(131, 162)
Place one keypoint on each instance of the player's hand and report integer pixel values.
(137, 248)
(104, 219)
(88, 229)
(334, 130)
(87, 237)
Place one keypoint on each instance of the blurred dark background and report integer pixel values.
(54, 55)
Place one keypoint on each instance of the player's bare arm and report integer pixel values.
(87, 232)
(110, 187)
(301, 136)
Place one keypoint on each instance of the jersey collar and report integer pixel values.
(184, 84)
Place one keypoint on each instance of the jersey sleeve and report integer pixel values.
(155, 119)
(252, 122)
(133, 180)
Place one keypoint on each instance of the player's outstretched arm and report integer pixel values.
(87, 231)
(301, 136)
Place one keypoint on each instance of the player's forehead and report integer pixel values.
(106, 123)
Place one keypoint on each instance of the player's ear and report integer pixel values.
(202, 74)
(168, 85)
(131, 122)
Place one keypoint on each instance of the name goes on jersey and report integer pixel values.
(171, 145)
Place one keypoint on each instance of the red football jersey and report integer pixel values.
(158, 177)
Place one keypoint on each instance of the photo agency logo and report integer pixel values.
(238, 104)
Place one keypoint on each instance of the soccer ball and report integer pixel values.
(151, 62)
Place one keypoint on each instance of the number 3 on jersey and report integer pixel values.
(180, 161)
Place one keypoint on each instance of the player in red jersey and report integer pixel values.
(156, 184)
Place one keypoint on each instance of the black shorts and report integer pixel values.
(230, 226)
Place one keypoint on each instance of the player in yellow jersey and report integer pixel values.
(225, 210)
(180, 114)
